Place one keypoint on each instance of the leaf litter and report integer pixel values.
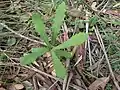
(85, 79)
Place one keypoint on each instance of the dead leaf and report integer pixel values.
(99, 84)
(76, 13)
(2, 88)
(19, 86)
(80, 53)
(93, 6)
(10, 87)
(112, 12)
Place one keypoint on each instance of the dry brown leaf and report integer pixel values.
(76, 13)
(2, 88)
(19, 86)
(112, 12)
(11, 87)
(99, 84)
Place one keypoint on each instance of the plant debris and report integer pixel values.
(93, 65)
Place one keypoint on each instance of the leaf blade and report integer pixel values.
(62, 53)
(31, 57)
(40, 27)
(59, 68)
(59, 17)
(73, 41)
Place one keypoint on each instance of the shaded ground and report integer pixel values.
(100, 59)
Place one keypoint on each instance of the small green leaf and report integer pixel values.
(40, 27)
(3, 57)
(117, 54)
(11, 41)
(93, 20)
(62, 53)
(116, 22)
(73, 41)
(58, 66)
(29, 58)
(59, 17)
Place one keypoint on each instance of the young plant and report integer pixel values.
(56, 51)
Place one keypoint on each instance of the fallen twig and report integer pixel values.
(22, 35)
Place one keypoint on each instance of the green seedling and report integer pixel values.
(56, 51)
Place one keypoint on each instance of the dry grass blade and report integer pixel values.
(104, 7)
(88, 42)
(79, 59)
(69, 79)
(91, 66)
(108, 62)
(43, 73)
(52, 85)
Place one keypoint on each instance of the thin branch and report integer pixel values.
(103, 7)
(22, 35)
(88, 42)
(52, 85)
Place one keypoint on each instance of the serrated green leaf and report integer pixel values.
(31, 57)
(59, 17)
(61, 53)
(73, 41)
(40, 27)
(58, 66)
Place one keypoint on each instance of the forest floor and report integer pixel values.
(96, 63)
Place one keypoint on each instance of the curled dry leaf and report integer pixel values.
(99, 84)
(93, 6)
